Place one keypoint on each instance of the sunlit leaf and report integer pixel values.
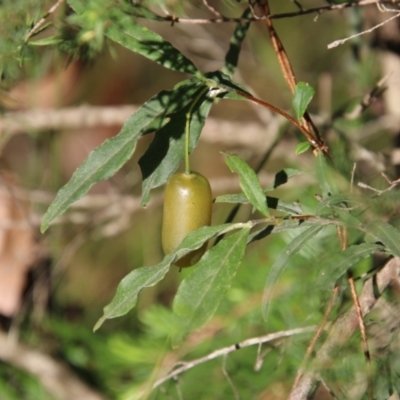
(140, 278)
(302, 147)
(129, 288)
(341, 262)
(200, 294)
(303, 93)
(248, 182)
(272, 202)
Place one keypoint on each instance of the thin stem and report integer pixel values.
(42, 21)
(187, 128)
(256, 18)
(315, 142)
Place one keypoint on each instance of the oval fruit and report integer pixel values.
(187, 207)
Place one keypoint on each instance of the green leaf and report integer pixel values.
(272, 202)
(104, 161)
(140, 278)
(232, 56)
(232, 198)
(282, 262)
(325, 176)
(289, 224)
(124, 30)
(303, 93)
(341, 201)
(248, 182)
(47, 41)
(167, 150)
(129, 288)
(385, 233)
(200, 294)
(302, 147)
(341, 262)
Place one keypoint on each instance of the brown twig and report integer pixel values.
(41, 22)
(309, 128)
(342, 41)
(317, 143)
(345, 326)
(255, 18)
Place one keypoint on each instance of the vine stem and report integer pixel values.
(187, 128)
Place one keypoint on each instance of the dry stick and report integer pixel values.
(317, 335)
(41, 22)
(230, 349)
(342, 41)
(345, 326)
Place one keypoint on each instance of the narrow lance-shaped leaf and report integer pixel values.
(248, 182)
(272, 202)
(302, 147)
(289, 224)
(104, 161)
(303, 93)
(387, 234)
(124, 30)
(282, 262)
(200, 294)
(345, 201)
(341, 262)
(140, 278)
(232, 56)
(167, 150)
(129, 288)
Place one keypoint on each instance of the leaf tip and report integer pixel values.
(99, 323)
